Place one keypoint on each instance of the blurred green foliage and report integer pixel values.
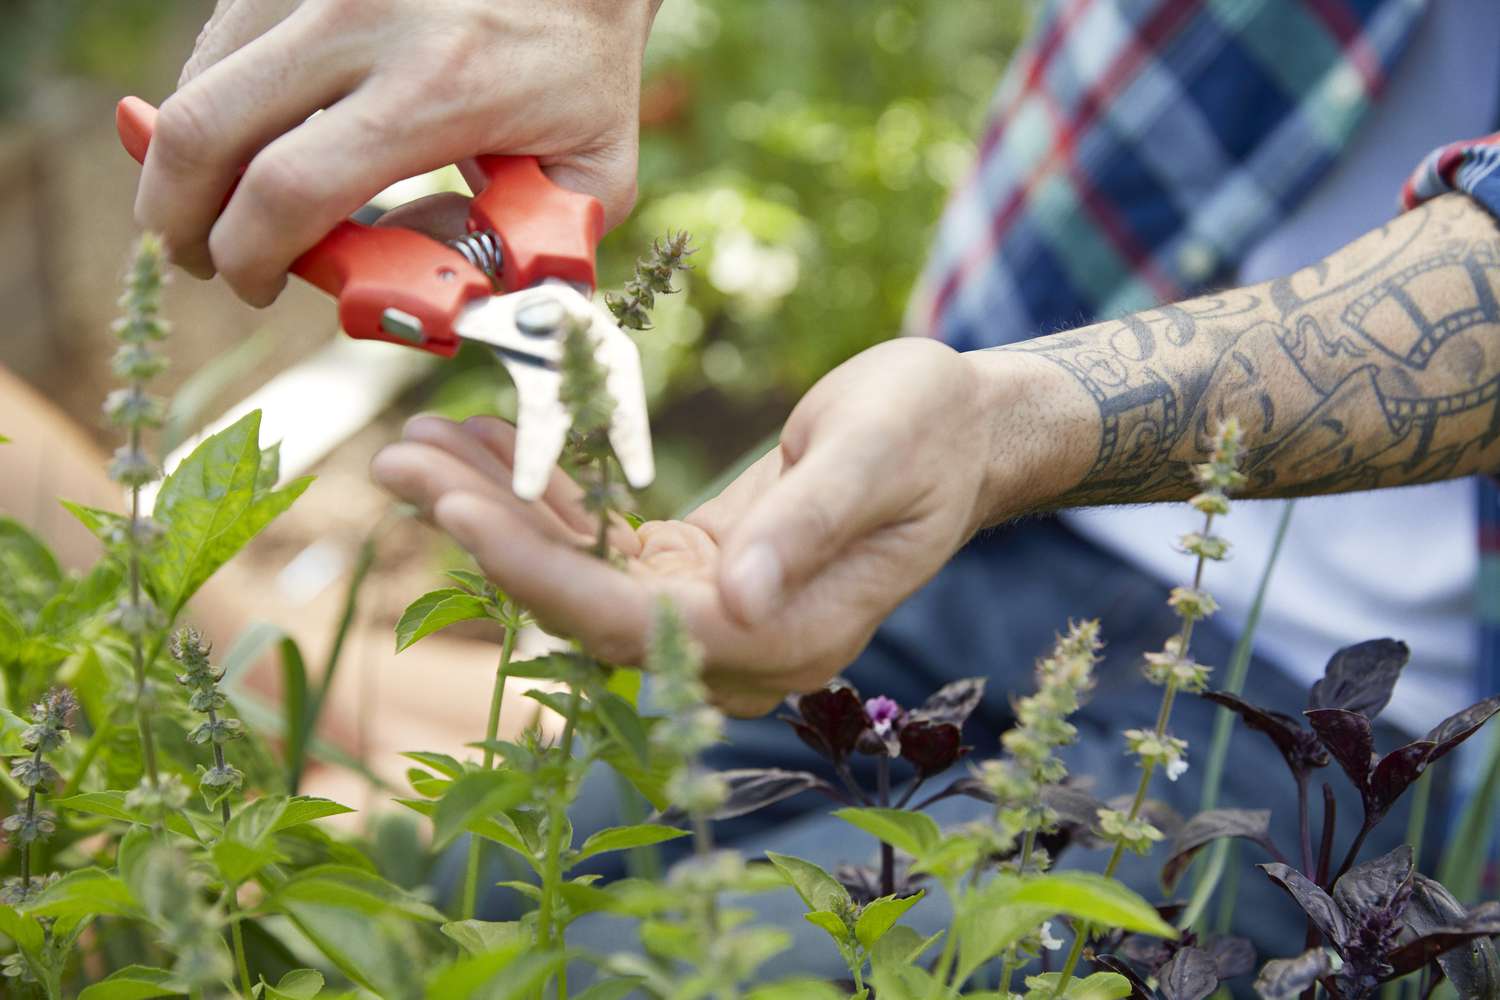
(116, 41)
(808, 146)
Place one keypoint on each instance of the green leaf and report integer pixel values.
(299, 984)
(210, 506)
(354, 943)
(474, 583)
(479, 936)
(818, 889)
(1094, 898)
(236, 862)
(650, 779)
(880, 915)
(611, 989)
(912, 832)
(831, 922)
(622, 722)
(352, 889)
(623, 838)
(442, 763)
(476, 795)
(29, 574)
(306, 808)
(794, 989)
(899, 947)
(496, 976)
(1099, 986)
(87, 892)
(111, 804)
(626, 683)
(135, 982)
(989, 920)
(23, 930)
(434, 610)
(100, 522)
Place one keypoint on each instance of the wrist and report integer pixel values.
(1041, 431)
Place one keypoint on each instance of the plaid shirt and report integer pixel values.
(1138, 149)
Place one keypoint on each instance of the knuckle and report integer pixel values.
(183, 127)
(282, 187)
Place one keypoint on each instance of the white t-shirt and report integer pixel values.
(1399, 563)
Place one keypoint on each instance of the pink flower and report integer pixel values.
(884, 714)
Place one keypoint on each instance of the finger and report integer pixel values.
(563, 500)
(206, 132)
(442, 216)
(303, 183)
(607, 173)
(422, 474)
(233, 25)
(570, 592)
(825, 498)
(562, 494)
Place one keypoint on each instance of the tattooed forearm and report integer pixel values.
(1379, 366)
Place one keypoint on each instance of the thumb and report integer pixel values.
(825, 499)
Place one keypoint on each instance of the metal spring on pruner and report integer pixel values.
(482, 249)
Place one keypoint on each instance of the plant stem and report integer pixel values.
(491, 733)
(552, 863)
(137, 644)
(1325, 848)
(940, 971)
(36, 760)
(601, 536)
(1148, 767)
(231, 891)
(309, 723)
(887, 852)
(1304, 820)
(1349, 858)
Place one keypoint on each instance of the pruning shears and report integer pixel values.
(516, 282)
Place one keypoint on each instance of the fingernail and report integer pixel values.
(756, 578)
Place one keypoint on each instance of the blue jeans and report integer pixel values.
(992, 611)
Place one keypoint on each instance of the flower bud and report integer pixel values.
(131, 467)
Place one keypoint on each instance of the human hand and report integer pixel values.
(885, 468)
(404, 86)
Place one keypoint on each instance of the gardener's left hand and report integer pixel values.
(885, 468)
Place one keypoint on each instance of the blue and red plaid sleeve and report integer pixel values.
(1468, 166)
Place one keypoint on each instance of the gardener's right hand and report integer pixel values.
(404, 86)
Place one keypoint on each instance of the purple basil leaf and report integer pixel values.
(1377, 884)
(1349, 737)
(1233, 956)
(1284, 978)
(1206, 827)
(1317, 904)
(1149, 953)
(809, 735)
(953, 702)
(1190, 975)
(1458, 727)
(1393, 775)
(836, 714)
(1139, 990)
(931, 747)
(1298, 747)
(1473, 968)
(755, 788)
(1359, 678)
(1482, 922)
(1077, 811)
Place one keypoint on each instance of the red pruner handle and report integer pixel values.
(545, 231)
(392, 284)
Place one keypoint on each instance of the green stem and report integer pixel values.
(491, 733)
(137, 643)
(309, 723)
(1013, 954)
(1148, 767)
(601, 535)
(945, 960)
(557, 804)
(86, 759)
